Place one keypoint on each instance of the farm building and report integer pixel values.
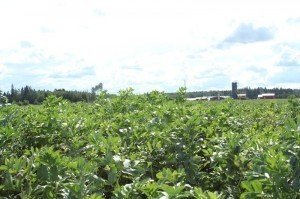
(208, 98)
(242, 96)
(196, 99)
(266, 96)
(213, 98)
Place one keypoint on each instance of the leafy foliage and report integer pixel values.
(150, 146)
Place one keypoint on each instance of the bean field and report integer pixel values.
(150, 146)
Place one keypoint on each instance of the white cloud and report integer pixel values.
(3, 71)
(147, 44)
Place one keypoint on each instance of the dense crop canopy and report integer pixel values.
(150, 146)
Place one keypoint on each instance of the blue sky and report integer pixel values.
(149, 44)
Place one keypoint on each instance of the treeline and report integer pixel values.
(252, 93)
(27, 95)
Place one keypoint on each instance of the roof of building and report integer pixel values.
(207, 98)
(268, 94)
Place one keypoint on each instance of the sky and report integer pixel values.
(149, 44)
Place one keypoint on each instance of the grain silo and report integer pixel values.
(234, 90)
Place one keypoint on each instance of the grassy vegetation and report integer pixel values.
(148, 146)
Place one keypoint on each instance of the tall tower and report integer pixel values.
(234, 90)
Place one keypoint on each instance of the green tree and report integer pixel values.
(3, 99)
(97, 89)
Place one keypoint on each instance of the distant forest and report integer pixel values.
(27, 95)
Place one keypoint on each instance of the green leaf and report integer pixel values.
(247, 185)
(150, 189)
(94, 196)
(42, 173)
(257, 186)
(212, 195)
(172, 190)
(112, 175)
(3, 167)
(149, 147)
(54, 173)
(8, 181)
